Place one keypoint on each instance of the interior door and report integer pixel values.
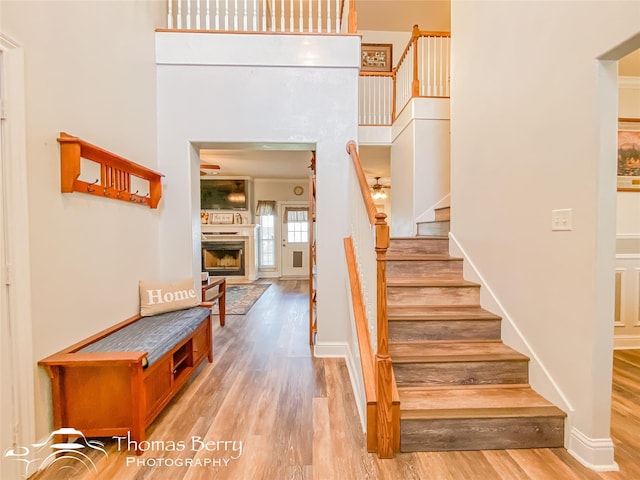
(294, 256)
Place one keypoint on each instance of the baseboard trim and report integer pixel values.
(626, 342)
(593, 453)
(342, 350)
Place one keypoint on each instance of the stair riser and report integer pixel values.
(430, 246)
(429, 228)
(408, 331)
(461, 373)
(481, 434)
(443, 213)
(433, 268)
(468, 295)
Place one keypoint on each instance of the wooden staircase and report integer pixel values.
(460, 387)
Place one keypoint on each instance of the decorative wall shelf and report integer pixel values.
(115, 173)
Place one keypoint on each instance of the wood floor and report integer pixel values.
(296, 418)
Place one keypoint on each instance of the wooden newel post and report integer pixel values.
(353, 17)
(383, 361)
(415, 86)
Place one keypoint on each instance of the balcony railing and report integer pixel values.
(423, 71)
(284, 16)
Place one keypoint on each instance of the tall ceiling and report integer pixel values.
(373, 15)
(401, 15)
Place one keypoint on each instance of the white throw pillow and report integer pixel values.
(158, 297)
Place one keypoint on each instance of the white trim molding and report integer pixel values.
(628, 82)
(15, 257)
(593, 453)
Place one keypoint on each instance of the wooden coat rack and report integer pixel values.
(115, 173)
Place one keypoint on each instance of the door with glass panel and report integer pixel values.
(294, 256)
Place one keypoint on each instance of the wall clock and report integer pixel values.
(298, 190)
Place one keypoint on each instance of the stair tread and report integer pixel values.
(422, 238)
(426, 281)
(471, 396)
(434, 351)
(421, 257)
(427, 312)
(433, 221)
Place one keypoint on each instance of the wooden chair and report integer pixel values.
(216, 296)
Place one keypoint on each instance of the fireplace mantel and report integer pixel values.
(240, 232)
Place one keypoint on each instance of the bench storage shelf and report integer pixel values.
(103, 387)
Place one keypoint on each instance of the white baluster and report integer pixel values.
(217, 17)
(310, 16)
(448, 92)
(273, 16)
(319, 15)
(207, 16)
(226, 14)
(245, 17)
(264, 16)
(282, 15)
(428, 65)
(255, 15)
(300, 16)
(198, 26)
(169, 14)
(188, 15)
(441, 68)
(328, 16)
(337, 16)
(291, 15)
(179, 22)
(235, 15)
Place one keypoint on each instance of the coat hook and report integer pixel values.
(133, 196)
(89, 189)
(104, 192)
(119, 192)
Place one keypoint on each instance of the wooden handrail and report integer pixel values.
(362, 181)
(386, 413)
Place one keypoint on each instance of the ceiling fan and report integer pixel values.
(207, 169)
(377, 190)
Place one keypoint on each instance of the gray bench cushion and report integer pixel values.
(155, 335)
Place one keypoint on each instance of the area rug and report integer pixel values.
(240, 298)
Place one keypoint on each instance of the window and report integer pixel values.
(267, 241)
(297, 226)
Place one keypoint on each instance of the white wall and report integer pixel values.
(87, 253)
(263, 89)
(533, 129)
(420, 163)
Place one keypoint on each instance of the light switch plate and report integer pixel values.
(562, 219)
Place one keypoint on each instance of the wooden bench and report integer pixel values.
(120, 393)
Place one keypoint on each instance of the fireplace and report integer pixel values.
(223, 258)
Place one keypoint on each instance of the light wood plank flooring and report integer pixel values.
(297, 419)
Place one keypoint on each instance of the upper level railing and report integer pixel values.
(422, 71)
(284, 16)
